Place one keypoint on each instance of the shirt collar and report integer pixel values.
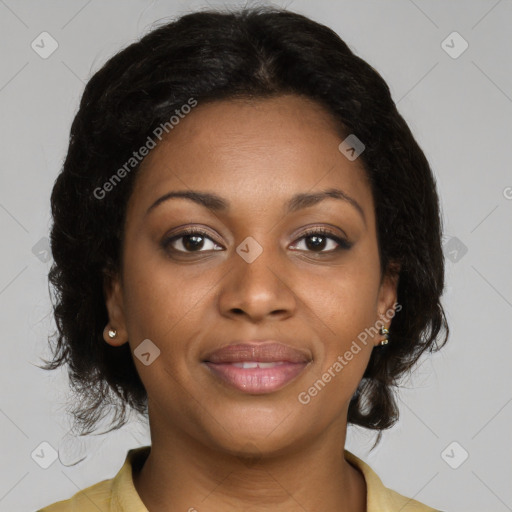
(126, 499)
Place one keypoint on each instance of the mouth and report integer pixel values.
(257, 367)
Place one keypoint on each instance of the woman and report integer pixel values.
(247, 247)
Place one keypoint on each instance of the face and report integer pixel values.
(248, 279)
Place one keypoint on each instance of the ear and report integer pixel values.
(387, 301)
(113, 293)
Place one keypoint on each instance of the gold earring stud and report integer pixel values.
(384, 332)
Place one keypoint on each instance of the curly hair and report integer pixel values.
(256, 52)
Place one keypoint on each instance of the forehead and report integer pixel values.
(261, 149)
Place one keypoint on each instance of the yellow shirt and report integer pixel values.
(118, 494)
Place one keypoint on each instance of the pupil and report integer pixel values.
(319, 242)
(192, 242)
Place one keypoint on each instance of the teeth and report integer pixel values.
(256, 364)
(268, 365)
(246, 364)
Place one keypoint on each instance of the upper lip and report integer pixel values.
(268, 351)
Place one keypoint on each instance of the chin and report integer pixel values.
(254, 432)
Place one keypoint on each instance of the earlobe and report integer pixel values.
(111, 336)
(114, 333)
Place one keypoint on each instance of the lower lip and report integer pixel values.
(257, 380)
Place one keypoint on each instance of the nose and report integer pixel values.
(259, 290)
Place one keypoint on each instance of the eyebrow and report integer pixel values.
(297, 202)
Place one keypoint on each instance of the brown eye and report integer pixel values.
(190, 241)
(322, 241)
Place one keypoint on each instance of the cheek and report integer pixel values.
(346, 301)
(344, 313)
(344, 309)
(156, 310)
(158, 296)
(168, 306)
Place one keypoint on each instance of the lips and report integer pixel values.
(257, 367)
(266, 352)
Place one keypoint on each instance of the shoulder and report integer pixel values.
(380, 498)
(91, 498)
(112, 494)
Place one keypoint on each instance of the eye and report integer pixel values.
(190, 240)
(321, 240)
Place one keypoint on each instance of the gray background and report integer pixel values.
(460, 110)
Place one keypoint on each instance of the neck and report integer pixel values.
(183, 474)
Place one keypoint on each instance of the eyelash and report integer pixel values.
(343, 244)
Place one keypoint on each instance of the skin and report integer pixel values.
(213, 447)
